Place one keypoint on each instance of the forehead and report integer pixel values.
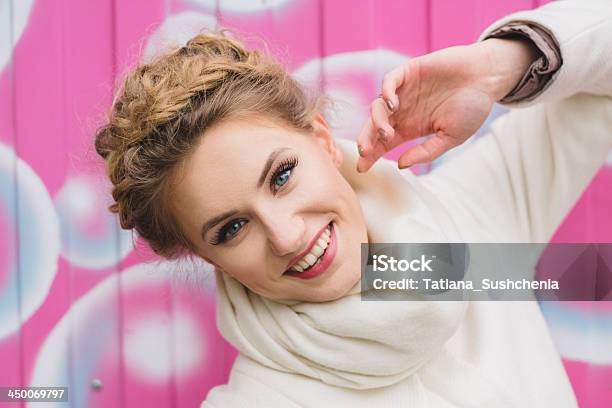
(228, 160)
(243, 140)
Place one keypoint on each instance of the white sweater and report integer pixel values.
(515, 184)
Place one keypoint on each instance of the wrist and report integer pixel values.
(507, 60)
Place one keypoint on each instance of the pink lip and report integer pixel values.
(326, 260)
(308, 248)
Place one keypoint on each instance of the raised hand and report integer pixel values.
(447, 94)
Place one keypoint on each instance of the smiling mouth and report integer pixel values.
(319, 257)
(315, 254)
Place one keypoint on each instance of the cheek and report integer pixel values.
(337, 192)
(253, 277)
(323, 181)
(246, 264)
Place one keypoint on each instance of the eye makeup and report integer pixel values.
(287, 164)
(284, 167)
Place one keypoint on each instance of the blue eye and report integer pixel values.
(282, 178)
(231, 228)
(282, 174)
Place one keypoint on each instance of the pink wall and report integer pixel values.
(77, 303)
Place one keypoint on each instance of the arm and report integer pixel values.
(582, 29)
(522, 179)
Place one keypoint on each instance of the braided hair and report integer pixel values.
(166, 105)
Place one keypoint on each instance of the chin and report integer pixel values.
(332, 290)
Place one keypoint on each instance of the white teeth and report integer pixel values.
(318, 249)
(315, 252)
(311, 259)
(322, 243)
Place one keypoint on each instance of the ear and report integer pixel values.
(323, 136)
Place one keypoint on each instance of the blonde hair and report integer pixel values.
(165, 106)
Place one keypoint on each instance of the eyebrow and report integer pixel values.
(262, 177)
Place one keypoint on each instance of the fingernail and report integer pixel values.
(404, 166)
(360, 150)
(389, 104)
(357, 168)
(382, 134)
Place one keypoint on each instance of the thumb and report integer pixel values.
(426, 152)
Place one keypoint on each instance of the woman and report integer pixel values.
(216, 152)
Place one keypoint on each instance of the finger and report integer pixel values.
(363, 140)
(380, 118)
(391, 82)
(372, 146)
(378, 150)
(370, 134)
(377, 146)
(427, 151)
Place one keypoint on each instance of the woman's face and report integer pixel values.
(253, 198)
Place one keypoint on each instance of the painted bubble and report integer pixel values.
(241, 6)
(90, 234)
(14, 17)
(30, 237)
(338, 74)
(161, 338)
(176, 30)
(579, 334)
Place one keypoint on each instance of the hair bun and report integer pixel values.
(216, 45)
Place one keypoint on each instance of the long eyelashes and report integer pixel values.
(220, 235)
(287, 164)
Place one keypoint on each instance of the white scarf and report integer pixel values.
(349, 342)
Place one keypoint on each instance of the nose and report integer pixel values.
(285, 232)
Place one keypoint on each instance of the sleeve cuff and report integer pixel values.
(539, 75)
